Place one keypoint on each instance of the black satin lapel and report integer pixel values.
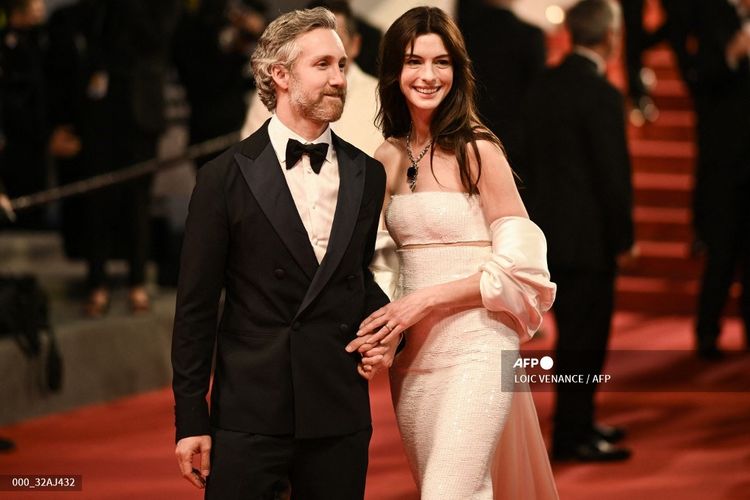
(348, 204)
(266, 181)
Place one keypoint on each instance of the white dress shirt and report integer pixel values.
(315, 195)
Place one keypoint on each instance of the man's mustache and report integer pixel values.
(332, 92)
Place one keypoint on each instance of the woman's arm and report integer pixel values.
(500, 198)
(383, 267)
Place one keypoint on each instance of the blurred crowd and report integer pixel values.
(82, 93)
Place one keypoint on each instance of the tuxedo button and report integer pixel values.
(350, 281)
(296, 325)
(343, 327)
(279, 273)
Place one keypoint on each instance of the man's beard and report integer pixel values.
(327, 106)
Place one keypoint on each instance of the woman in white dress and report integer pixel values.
(473, 277)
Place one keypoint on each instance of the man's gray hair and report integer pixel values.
(277, 45)
(589, 21)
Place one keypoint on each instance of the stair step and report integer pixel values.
(670, 126)
(662, 198)
(662, 215)
(662, 190)
(663, 224)
(659, 57)
(661, 259)
(664, 295)
(662, 61)
(671, 87)
(663, 182)
(656, 295)
(662, 156)
(666, 72)
(672, 94)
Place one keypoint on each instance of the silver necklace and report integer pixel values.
(413, 170)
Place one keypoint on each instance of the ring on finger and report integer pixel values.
(390, 328)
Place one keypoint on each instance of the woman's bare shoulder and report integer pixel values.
(390, 151)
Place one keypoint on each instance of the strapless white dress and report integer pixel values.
(464, 436)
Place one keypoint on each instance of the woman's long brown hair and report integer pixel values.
(455, 123)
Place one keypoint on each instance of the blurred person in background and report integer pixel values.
(637, 40)
(67, 72)
(24, 128)
(580, 195)
(721, 202)
(212, 50)
(130, 46)
(507, 54)
(677, 28)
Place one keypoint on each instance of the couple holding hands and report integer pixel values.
(285, 223)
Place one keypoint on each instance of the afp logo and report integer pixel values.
(546, 363)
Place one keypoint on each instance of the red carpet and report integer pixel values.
(687, 445)
(691, 443)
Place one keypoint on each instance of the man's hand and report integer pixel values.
(380, 356)
(64, 143)
(6, 210)
(387, 324)
(629, 257)
(186, 448)
(98, 86)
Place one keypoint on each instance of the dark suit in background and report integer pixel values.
(281, 369)
(507, 54)
(67, 73)
(367, 59)
(23, 117)
(722, 189)
(580, 195)
(130, 43)
(214, 71)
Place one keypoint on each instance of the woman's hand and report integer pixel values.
(386, 325)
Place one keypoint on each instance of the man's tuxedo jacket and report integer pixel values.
(578, 166)
(281, 367)
(508, 54)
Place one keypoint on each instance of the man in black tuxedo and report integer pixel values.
(721, 207)
(287, 230)
(580, 195)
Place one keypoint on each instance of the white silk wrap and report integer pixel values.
(516, 280)
(384, 265)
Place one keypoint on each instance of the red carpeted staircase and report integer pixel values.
(666, 278)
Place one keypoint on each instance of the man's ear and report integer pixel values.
(281, 76)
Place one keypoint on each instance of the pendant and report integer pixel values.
(411, 177)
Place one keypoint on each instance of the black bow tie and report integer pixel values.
(316, 152)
